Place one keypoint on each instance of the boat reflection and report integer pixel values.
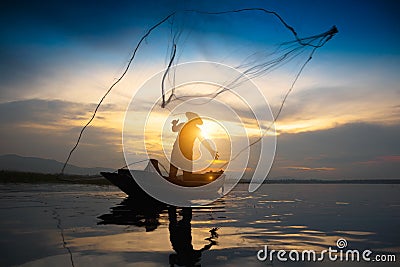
(130, 211)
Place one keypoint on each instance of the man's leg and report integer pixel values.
(172, 171)
(187, 175)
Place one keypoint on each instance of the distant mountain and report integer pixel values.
(32, 164)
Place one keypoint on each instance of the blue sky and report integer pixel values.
(58, 57)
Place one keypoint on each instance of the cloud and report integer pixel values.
(326, 107)
(56, 46)
(303, 168)
(381, 160)
(47, 112)
(49, 128)
(357, 150)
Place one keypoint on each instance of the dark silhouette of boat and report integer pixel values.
(124, 180)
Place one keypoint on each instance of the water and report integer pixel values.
(86, 225)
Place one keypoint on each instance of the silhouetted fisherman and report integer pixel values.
(182, 152)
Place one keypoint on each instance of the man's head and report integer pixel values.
(194, 117)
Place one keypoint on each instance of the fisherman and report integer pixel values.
(182, 152)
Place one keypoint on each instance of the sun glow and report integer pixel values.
(211, 129)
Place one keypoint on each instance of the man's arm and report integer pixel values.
(205, 142)
(175, 126)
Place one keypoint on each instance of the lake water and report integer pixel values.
(86, 225)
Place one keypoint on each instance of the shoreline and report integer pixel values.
(32, 177)
(39, 178)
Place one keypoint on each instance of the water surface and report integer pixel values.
(86, 225)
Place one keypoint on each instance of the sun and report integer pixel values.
(206, 133)
(209, 129)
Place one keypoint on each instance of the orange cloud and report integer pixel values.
(303, 168)
(381, 159)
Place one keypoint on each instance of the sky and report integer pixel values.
(342, 120)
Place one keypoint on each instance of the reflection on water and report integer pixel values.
(141, 213)
(101, 227)
(146, 213)
(180, 235)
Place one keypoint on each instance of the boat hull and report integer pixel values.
(124, 181)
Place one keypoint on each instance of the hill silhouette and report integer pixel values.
(13, 162)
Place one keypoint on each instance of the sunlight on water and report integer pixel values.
(101, 227)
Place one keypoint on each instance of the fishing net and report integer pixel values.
(221, 66)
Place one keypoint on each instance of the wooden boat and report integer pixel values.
(123, 179)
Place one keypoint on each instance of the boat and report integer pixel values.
(124, 180)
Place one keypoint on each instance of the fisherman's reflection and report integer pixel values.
(180, 235)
